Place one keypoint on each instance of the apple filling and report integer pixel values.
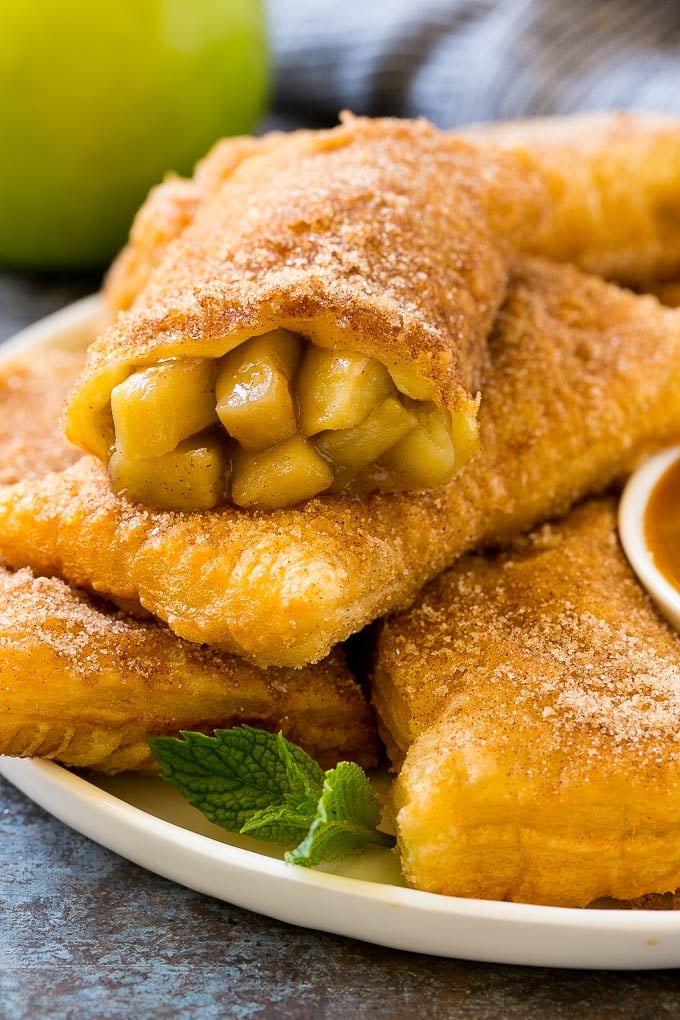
(274, 422)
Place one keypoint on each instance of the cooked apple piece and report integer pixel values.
(357, 447)
(280, 476)
(155, 408)
(465, 436)
(191, 477)
(337, 390)
(426, 456)
(254, 400)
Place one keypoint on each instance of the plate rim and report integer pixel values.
(77, 785)
(37, 778)
(117, 825)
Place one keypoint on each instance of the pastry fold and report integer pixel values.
(584, 379)
(533, 702)
(367, 261)
(606, 184)
(33, 389)
(169, 209)
(612, 178)
(87, 685)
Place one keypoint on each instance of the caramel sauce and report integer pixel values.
(662, 524)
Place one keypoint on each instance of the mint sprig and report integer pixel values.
(251, 781)
(345, 821)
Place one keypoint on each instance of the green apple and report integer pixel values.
(99, 99)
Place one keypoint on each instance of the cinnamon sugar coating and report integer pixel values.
(378, 237)
(606, 183)
(585, 378)
(614, 204)
(87, 686)
(169, 209)
(535, 696)
(32, 394)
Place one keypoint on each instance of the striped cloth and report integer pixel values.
(469, 60)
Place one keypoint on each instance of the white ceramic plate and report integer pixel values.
(149, 823)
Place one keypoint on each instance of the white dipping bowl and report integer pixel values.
(631, 531)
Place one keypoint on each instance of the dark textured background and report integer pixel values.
(84, 933)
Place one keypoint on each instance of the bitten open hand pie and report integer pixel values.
(584, 378)
(85, 684)
(318, 325)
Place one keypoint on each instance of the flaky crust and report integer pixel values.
(536, 697)
(32, 393)
(372, 237)
(167, 212)
(585, 378)
(87, 686)
(607, 184)
(612, 181)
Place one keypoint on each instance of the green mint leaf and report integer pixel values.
(239, 772)
(278, 824)
(305, 777)
(345, 822)
(251, 781)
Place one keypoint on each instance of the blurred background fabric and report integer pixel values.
(463, 61)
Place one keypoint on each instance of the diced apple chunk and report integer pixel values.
(254, 401)
(337, 390)
(426, 456)
(191, 477)
(155, 408)
(357, 447)
(465, 436)
(280, 476)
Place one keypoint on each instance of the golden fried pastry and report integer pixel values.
(535, 699)
(319, 325)
(612, 178)
(608, 180)
(167, 212)
(169, 208)
(87, 686)
(585, 378)
(84, 684)
(307, 411)
(668, 292)
(32, 393)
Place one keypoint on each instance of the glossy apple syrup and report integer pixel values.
(662, 524)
